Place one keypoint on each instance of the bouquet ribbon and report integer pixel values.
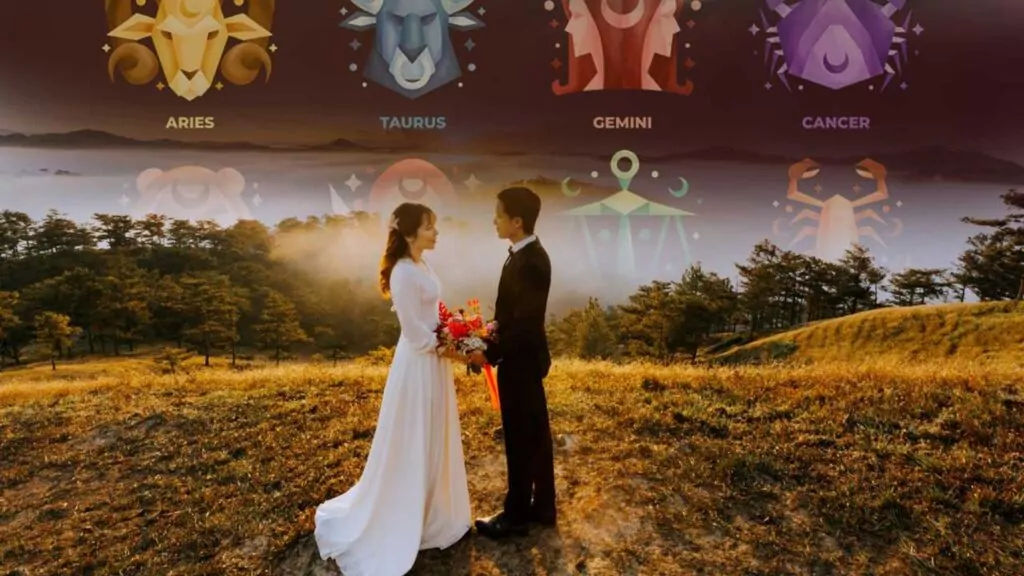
(492, 386)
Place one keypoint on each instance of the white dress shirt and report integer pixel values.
(519, 245)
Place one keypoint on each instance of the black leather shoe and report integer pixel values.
(536, 516)
(499, 526)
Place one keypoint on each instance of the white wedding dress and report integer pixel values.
(413, 493)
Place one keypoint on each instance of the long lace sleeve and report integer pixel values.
(405, 294)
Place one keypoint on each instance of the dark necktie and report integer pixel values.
(509, 259)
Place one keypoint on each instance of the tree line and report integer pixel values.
(112, 284)
(117, 282)
(779, 289)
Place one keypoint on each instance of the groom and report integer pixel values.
(521, 354)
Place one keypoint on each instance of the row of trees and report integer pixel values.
(118, 282)
(780, 289)
(111, 285)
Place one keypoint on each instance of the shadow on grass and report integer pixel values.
(541, 552)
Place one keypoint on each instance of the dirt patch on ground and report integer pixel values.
(13, 515)
(303, 559)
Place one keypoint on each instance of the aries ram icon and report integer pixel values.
(190, 38)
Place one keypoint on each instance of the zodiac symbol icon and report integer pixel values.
(409, 180)
(839, 218)
(412, 47)
(193, 193)
(190, 38)
(628, 235)
(634, 50)
(836, 43)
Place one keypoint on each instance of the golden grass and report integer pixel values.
(834, 468)
(975, 332)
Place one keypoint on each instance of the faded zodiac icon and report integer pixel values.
(193, 193)
(838, 218)
(625, 235)
(408, 180)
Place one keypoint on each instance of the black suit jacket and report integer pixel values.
(521, 310)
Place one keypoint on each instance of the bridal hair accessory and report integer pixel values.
(393, 223)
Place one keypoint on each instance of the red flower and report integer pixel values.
(459, 330)
(443, 314)
(454, 329)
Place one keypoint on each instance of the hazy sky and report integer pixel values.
(965, 86)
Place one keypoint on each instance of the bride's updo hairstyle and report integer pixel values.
(405, 223)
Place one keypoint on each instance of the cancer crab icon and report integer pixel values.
(625, 235)
(839, 220)
(623, 44)
(836, 44)
(412, 52)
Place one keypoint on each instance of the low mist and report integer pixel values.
(468, 260)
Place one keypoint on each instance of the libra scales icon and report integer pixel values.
(628, 236)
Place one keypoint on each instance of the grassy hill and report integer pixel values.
(988, 332)
(832, 468)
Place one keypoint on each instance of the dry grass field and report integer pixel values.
(989, 332)
(876, 466)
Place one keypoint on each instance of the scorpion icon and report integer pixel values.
(839, 218)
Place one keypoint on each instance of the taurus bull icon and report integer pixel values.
(190, 38)
(412, 49)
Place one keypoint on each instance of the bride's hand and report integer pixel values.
(453, 355)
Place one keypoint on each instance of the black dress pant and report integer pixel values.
(528, 447)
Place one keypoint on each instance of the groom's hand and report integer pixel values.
(477, 357)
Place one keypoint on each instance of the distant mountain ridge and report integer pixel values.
(927, 163)
(86, 139)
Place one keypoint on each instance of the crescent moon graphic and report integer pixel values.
(623, 21)
(567, 191)
(899, 227)
(683, 190)
(775, 228)
(836, 68)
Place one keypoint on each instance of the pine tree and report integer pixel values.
(760, 286)
(55, 332)
(9, 321)
(915, 286)
(168, 309)
(993, 265)
(646, 324)
(173, 358)
(859, 280)
(327, 339)
(212, 312)
(278, 326)
(594, 338)
(127, 302)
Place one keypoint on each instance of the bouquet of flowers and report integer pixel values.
(465, 331)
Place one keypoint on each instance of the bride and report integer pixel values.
(413, 493)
